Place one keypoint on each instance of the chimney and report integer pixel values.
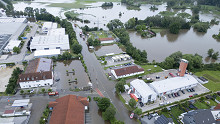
(182, 67)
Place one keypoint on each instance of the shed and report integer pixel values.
(21, 103)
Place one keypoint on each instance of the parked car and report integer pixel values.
(132, 115)
(187, 90)
(150, 116)
(192, 89)
(173, 95)
(178, 93)
(182, 91)
(169, 95)
(195, 94)
(141, 104)
(58, 79)
(190, 96)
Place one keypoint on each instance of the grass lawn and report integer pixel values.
(153, 69)
(176, 111)
(72, 13)
(184, 15)
(200, 105)
(167, 114)
(101, 34)
(207, 8)
(167, 13)
(212, 103)
(218, 98)
(213, 77)
(157, 30)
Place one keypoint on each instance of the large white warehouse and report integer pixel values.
(173, 85)
(50, 42)
(142, 91)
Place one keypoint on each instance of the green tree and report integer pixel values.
(103, 104)
(132, 103)
(138, 111)
(89, 97)
(174, 27)
(109, 114)
(131, 23)
(115, 24)
(77, 48)
(22, 91)
(120, 87)
(168, 63)
(16, 50)
(43, 90)
(215, 55)
(49, 90)
(210, 52)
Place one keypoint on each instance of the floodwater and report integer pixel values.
(107, 50)
(60, 71)
(159, 47)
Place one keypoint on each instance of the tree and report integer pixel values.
(131, 23)
(114, 24)
(43, 90)
(103, 104)
(195, 10)
(120, 87)
(49, 90)
(138, 111)
(132, 103)
(109, 114)
(174, 27)
(210, 52)
(16, 50)
(22, 91)
(171, 3)
(215, 55)
(89, 97)
(77, 48)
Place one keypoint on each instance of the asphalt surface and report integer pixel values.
(100, 81)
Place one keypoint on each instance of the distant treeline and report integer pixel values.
(209, 2)
(107, 4)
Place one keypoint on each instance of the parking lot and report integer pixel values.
(161, 75)
(110, 62)
(108, 49)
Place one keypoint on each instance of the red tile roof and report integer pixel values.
(35, 76)
(8, 111)
(69, 109)
(106, 39)
(217, 107)
(127, 70)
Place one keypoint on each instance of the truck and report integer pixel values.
(53, 93)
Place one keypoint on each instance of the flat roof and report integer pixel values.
(47, 52)
(142, 88)
(4, 38)
(44, 65)
(12, 44)
(22, 102)
(56, 31)
(12, 20)
(173, 83)
(48, 40)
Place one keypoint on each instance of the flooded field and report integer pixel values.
(102, 51)
(64, 71)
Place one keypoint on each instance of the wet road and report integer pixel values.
(100, 81)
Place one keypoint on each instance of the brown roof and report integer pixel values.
(106, 39)
(35, 76)
(69, 109)
(32, 66)
(8, 111)
(127, 70)
(217, 107)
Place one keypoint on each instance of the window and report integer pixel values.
(57, 47)
(46, 48)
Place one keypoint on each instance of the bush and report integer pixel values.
(89, 97)
(132, 103)
(96, 98)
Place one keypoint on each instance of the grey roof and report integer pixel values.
(201, 116)
(4, 39)
(44, 65)
(163, 120)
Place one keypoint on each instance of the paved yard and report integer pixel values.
(108, 49)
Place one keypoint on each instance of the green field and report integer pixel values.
(79, 3)
(167, 13)
(213, 77)
(176, 111)
(200, 105)
(153, 69)
(101, 34)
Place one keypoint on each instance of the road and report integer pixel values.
(100, 81)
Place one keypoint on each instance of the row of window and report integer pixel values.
(48, 48)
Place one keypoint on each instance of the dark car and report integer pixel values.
(187, 90)
(141, 104)
(173, 95)
(193, 90)
(57, 80)
(190, 90)
(182, 91)
(150, 116)
(169, 95)
(178, 93)
(195, 94)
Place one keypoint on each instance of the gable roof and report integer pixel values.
(35, 76)
(163, 120)
(201, 116)
(39, 64)
(69, 109)
(106, 39)
(217, 107)
(127, 70)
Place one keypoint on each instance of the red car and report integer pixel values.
(190, 96)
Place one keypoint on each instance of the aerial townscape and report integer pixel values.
(109, 62)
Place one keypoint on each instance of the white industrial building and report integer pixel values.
(11, 45)
(127, 71)
(38, 73)
(46, 53)
(122, 57)
(172, 85)
(47, 26)
(56, 31)
(50, 42)
(142, 91)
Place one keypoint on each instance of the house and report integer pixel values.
(127, 71)
(38, 73)
(201, 116)
(46, 53)
(69, 109)
(163, 120)
(11, 45)
(142, 91)
(216, 113)
(106, 40)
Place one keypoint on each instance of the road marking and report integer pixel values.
(99, 92)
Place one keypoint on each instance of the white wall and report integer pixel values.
(128, 75)
(38, 83)
(109, 41)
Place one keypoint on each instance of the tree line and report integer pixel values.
(209, 2)
(117, 27)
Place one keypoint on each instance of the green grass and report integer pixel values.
(184, 15)
(153, 69)
(200, 105)
(101, 34)
(167, 13)
(218, 98)
(123, 100)
(157, 30)
(72, 13)
(207, 9)
(211, 85)
(212, 103)
(176, 111)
